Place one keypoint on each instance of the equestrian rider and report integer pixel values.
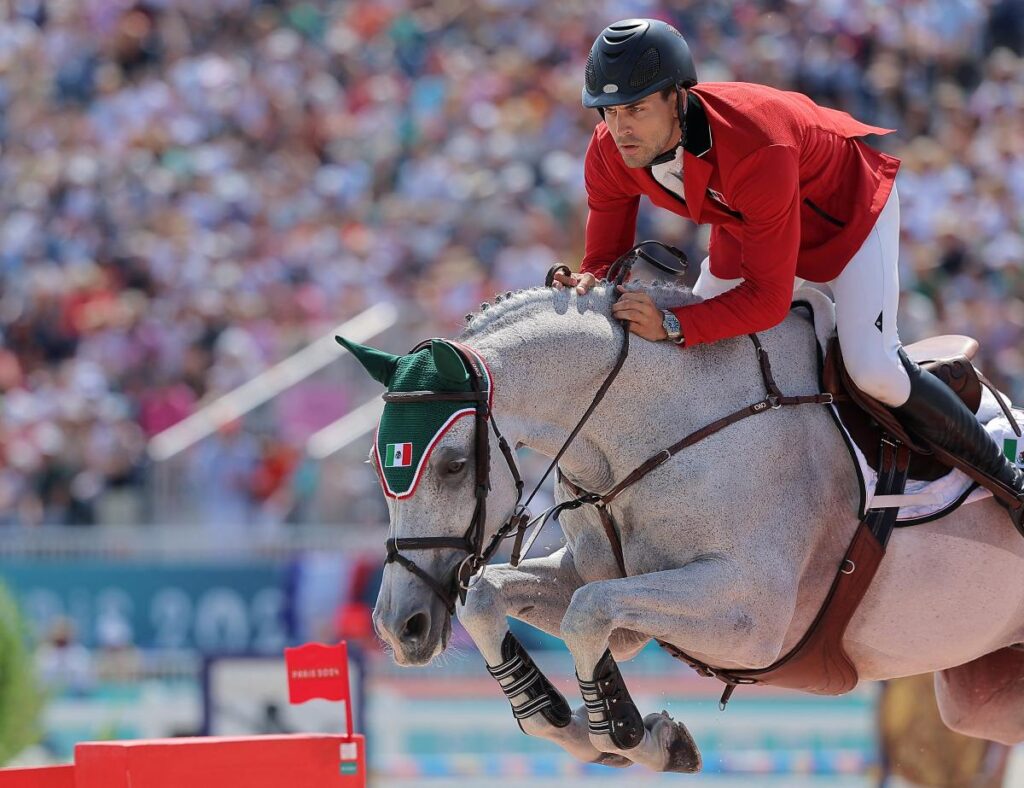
(792, 194)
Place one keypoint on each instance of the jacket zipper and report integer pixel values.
(824, 215)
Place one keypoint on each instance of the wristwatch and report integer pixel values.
(671, 325)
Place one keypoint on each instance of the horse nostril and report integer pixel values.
(416, 627)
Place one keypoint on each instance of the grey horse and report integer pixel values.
(729, 547)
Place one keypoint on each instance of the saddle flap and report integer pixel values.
(946, 357)
(942, 348)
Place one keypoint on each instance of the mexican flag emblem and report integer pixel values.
(399, 455)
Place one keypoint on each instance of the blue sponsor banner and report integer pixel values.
(213, 607)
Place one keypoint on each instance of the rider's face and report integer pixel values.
(644, 129)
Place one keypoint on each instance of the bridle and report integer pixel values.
(472, 541)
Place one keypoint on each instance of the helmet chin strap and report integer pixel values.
(670, 154)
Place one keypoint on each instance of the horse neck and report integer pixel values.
(547, 371)
(545, 376)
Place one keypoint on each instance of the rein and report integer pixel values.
(519, 522)
(472, 541)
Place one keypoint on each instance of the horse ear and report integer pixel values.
(379, 364)
(448, 362)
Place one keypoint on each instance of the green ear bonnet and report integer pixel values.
(409, 431)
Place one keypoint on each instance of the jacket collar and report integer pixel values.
(696, 169)
(698, 130)
(696, 133)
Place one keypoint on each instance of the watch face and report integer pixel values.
(671, 324)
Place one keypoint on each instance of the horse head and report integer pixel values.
(432, 455)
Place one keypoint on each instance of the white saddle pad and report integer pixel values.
(922, 500)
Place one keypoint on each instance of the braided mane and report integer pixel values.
(511, 303)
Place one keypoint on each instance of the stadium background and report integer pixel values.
(193, 191)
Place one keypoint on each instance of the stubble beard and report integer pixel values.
(645, 155)
(637, 159)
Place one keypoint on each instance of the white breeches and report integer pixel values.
(866, 290)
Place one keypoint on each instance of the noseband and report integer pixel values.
(472, 541)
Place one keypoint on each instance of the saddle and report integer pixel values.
(866, 419)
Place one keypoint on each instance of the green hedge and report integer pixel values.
(21, 700)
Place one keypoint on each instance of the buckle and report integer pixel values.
(470, 562)
(773, 400)
(827, 398)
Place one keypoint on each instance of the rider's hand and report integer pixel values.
(582, 282)
(645, 319)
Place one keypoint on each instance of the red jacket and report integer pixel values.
(786, 184)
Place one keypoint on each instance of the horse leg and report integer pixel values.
(537, 592)
(985, 697)
(695, 604)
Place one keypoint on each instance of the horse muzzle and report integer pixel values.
(416, 633)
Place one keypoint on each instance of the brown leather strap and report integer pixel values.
(999, 398)
(694, 437)
(613, 538)
(774, 400)
(766, 367)
(818, 662)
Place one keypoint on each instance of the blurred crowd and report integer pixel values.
(192, 190)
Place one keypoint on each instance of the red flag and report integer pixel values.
(319, 671)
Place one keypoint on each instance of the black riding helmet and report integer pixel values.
(634, 58)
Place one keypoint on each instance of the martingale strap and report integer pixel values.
(774, 399)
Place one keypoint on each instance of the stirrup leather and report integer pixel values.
(518, 674)
(610, 708)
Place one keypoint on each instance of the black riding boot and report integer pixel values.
(939, 417)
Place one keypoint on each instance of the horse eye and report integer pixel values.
(455, 466)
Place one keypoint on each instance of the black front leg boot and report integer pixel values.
(607, 699)
(519, 675)
(941, 419)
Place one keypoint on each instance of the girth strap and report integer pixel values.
(818, 663)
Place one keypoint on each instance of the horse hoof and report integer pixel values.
(613, 760)
(677, 743)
